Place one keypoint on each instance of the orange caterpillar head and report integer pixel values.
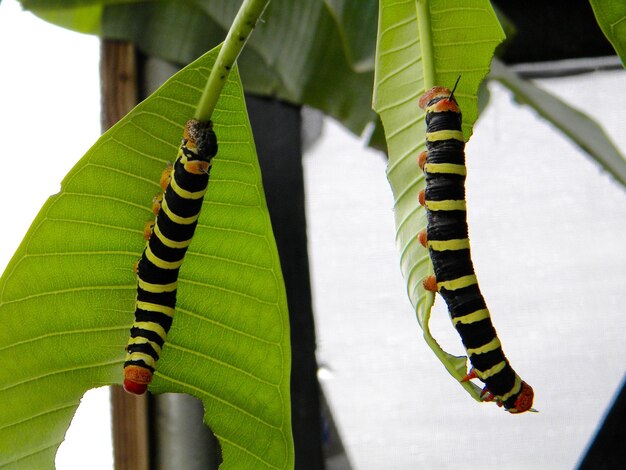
(199, 146)
(136, 379)
(440, 98)
(200, 139)
(524, 401)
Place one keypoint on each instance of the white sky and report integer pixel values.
(548, 246)
(49, 112)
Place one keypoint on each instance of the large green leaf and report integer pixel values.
(420, 42)
(356, 23)
(67, 296)
(611, 16)
(83, 19)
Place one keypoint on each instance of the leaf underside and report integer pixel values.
(462, 36)
(67, 296)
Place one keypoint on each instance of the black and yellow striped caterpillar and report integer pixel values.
(446, 238)
(177, 211)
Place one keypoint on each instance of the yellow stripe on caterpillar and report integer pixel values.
(170, 243)
(186, 194)
(442, 105)
(447, 205)
(158, 262)
(490, 346)
(150, 307)
(151, 326)
(517, 386)
(176, 218)
(478, 315)
(447, 168)
(143, 357)
(491, 372)
(458, 283)
(142, 340)
(449, 245)
(156, 288)
(445, 134)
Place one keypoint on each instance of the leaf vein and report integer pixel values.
(397, 71)
(222, 363)
(39, 415)
(246, 451)
(229, 291)
(30, 454)
(408, 188)
(60, 371)
(62, 333)
(64, 291)
(227, 327)
(229, 260)
(405, 99)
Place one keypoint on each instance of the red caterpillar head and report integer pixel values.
(136, 379)
(440, 99)
(524, 401)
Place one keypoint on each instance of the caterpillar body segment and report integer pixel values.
(446, 238)
(168, 238)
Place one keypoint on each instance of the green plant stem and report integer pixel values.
(244, 23)
(426, 42)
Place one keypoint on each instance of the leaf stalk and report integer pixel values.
(426, 43)
(238, 34)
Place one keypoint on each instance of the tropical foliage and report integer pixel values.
(65, 308)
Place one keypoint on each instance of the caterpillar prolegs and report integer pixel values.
(177, 209)
(446, 238)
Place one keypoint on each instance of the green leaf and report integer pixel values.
(312, 52)
(356, 23)
(421, 44)
(578, 127)
(611, 16)
(67, 296)
(83, 19)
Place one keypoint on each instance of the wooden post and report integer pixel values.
(119, 91)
